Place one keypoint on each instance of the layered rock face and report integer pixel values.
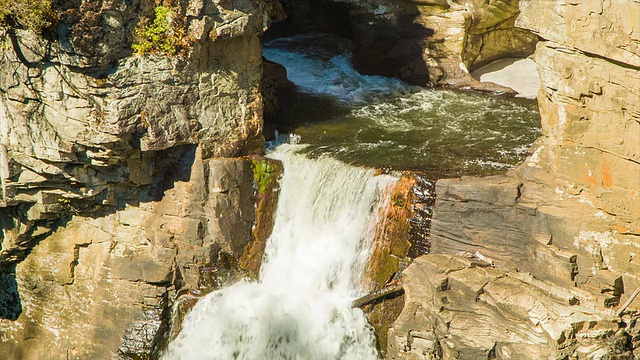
(119, 186)
(435, 41)
(562, 230)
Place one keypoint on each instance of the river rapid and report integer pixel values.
(382, 122)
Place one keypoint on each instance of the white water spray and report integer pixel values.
(300, 309)
(316, 71)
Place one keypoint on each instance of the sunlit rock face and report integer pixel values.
(420, 42)
(114, 191)
(566, 223)
(435, 41)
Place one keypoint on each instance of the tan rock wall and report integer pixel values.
(101, 285)
(462, 308)
(114, 197)
(568, 218)
(584, 176)
(604, 28)
(591, 121)
(439, 42)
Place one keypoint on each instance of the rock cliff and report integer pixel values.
(120, 182)
(562, 230)
(420, 41)
(436, 41)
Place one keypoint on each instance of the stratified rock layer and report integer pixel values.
(436, 41)
(121, 185)
(565, 224)
(462, 308)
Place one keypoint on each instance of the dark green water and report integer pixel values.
(383, 123)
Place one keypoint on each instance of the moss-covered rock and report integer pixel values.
(266, 197)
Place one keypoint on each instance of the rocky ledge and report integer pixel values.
(464, 308)
(558, 237)
(123, 184)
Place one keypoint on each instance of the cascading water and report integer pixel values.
(323, 67)
(300, 309)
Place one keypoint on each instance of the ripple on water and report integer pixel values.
(382, 122)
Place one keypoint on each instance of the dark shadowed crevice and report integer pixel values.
(10, 304)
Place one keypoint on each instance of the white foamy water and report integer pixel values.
(322, 73)
(300, 309)
(383, 122)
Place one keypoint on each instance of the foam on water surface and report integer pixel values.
(300, 309)
(383, 122)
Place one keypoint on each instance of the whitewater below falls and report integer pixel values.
(300, 308)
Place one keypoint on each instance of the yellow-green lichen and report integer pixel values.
(165, 34)
(263, 174)
(30, 14)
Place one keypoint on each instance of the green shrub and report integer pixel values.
(31, 14)
(263, 174)
(165, 34)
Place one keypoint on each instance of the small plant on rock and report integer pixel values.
(30, 14)
(166, 34)
(263, 174)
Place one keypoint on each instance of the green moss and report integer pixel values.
(398, 200)
(263, 174)
(165, 34)
(30, 14)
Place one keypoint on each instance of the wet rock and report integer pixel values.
(399, 238)
(275, 85)
(266, 206)
(391, 243)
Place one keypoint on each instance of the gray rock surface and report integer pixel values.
(120, 180)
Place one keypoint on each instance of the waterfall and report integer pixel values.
(300, 308)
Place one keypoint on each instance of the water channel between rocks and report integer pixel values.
(384, 123)
(300, 308)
